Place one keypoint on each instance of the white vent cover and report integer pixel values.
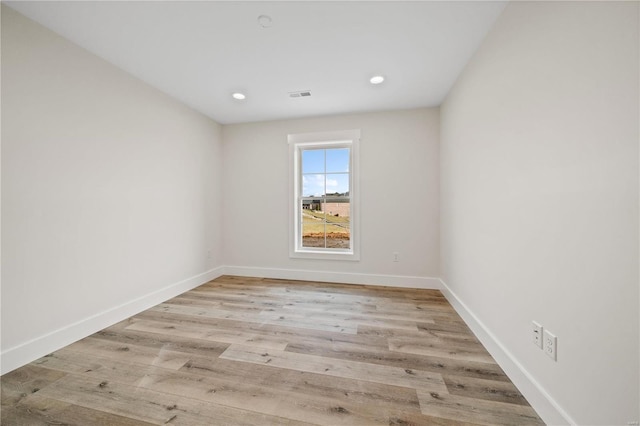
(300, 94)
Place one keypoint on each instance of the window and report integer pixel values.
(324, 195)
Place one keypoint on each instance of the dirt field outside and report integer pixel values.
(332, 240)
(324, 230)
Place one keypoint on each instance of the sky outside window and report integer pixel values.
(315, 178)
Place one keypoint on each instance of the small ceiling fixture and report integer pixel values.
(300, 94)
(376, 79)
(265, 21)
(239, 96)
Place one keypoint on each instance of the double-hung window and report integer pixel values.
(324, 194)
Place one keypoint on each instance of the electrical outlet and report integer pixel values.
(395, 256)
(537, 334)
(550, 345)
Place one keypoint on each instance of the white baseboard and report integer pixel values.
(24, 353)
(547, 408)
(336, 277)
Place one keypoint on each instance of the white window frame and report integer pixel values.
(297, 142)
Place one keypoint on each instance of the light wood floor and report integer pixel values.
(259, 351)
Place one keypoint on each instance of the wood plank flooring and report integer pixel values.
(252, 351)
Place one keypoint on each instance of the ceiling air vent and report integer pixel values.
(300, 94)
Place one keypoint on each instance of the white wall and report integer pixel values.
(539, 160)
(399, 198)
(112, 198)
(111, 193)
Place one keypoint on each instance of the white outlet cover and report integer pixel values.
(550, 347)
(536, 334)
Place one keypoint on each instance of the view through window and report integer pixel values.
(325, 199)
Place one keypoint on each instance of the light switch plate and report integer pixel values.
(536, 334)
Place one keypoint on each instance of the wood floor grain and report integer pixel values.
(254, 351)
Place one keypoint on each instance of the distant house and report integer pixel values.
(336, 205)
(311, 205)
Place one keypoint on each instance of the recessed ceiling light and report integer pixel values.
(376, 79)
(239, 96)
(265, 21)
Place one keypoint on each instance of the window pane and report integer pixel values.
(312, 211)
(328, 226)
(313, 229)
(338, 235)
(338, 184)
(337, 160)
(313, 185)
(313, 161)
(337, 210)
(337, 214)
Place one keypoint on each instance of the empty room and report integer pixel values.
(320, 212)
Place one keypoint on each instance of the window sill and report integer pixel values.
(324, 255)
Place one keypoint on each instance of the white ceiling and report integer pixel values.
(201, 52)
